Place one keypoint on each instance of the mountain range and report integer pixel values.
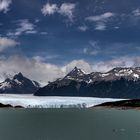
(19, 84)
(116, 83)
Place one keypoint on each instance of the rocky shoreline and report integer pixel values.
(9, 106)
(125, 104)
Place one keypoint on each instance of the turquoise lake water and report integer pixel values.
(69, 124)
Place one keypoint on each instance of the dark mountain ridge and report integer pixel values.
(117, 83)
(19, 84)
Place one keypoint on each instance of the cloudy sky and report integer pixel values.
(45, 39)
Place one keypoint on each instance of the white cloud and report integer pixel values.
(24, 26)
(37, 20)
(4, 5)
(31, 32)
(118, 62)
(7, 43)
(101, 20)
(43, 33)
(85, 66)
(102, 17)
(92, 49)
(65, 9)
(100, 26)
(49, 9)
(36, 69)
(116, 27)
(39, 58)
(83, 28)
(45, 58)
(136, 12)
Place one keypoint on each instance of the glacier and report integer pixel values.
(31, 101)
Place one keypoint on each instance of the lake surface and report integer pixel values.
(69, 124)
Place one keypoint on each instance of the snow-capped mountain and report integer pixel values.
(118, 83)
(18, 84)
(114, 74)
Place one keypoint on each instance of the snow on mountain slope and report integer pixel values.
(116, 73)
(30, 101)
(18, 84)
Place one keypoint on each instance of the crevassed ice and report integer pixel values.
(30, 101)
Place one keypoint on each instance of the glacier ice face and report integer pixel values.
(30, 101)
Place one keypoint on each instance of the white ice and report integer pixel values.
(30, 101)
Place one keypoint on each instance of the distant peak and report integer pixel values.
(76, 69)
(7, 80)
(19, 75)
(76, 72)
